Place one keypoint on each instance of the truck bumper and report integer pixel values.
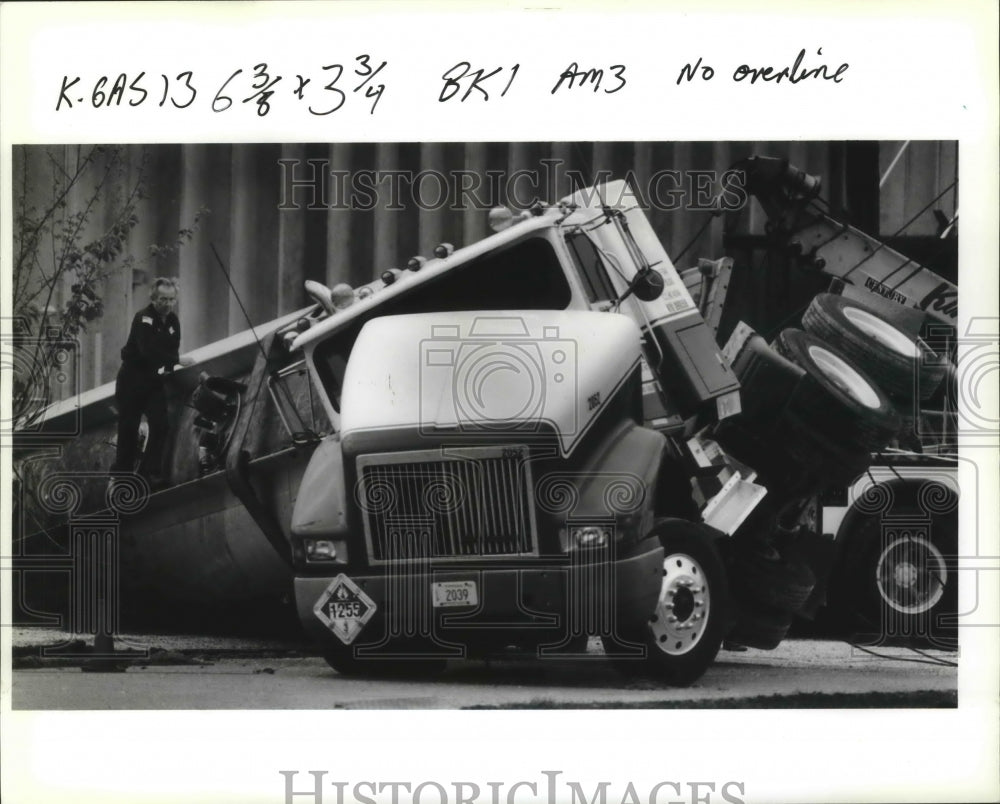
(513, 604)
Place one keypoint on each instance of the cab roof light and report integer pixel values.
(501, 218)
(342, 296)
(444, 250)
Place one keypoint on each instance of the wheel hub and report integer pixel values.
(911, 575)
(906, 574)
(681, 614)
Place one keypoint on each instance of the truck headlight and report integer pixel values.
(325, 550)
(582, 537)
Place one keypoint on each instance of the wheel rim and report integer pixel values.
(911, 575)
(682, 612)
(881, 331)
(844, 376)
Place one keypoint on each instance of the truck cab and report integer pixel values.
(492, 478)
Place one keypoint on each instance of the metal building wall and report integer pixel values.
(912, 174)
(269, 251)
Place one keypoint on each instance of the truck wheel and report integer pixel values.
(895, 581)
(684, 633)
(768, 579)
(876, 347)
(346, 662)
(836, 398)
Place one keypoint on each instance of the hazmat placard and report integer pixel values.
(344, 608)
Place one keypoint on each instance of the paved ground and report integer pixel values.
(209, 673)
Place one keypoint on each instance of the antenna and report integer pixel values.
(239, 301)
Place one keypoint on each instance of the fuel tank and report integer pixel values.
(187, 554)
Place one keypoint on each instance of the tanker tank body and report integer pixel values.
(191, 555)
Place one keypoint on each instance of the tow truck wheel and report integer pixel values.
(684, 633)
(838, 400)
(895, 582)
(906, 367)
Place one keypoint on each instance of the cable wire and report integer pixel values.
(901, 229)
(239, 301)
(692, 241)
(928, 660)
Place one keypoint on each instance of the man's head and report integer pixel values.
(164, 295)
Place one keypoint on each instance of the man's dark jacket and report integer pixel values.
(153, 343)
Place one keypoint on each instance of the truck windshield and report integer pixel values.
(526, 275)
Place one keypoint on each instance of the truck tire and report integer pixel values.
(770, 580)
(899, 582)
(835, 398)
(905, 367)
(683, 635)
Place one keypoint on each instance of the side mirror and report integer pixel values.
(647, 285)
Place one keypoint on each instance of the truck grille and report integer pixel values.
(425, 505)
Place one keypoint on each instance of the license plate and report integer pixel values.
(454, 593)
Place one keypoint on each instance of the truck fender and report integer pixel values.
(321, 502)
(618, 480)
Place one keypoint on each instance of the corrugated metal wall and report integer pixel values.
(321, 234)
(920, 171)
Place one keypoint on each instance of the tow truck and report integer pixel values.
(518, 445)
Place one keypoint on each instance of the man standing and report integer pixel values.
(153, 344)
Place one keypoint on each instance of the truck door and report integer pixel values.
(680, 348)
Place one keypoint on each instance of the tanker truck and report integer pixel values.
(511, 446)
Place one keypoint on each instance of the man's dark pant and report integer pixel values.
(137, 393)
